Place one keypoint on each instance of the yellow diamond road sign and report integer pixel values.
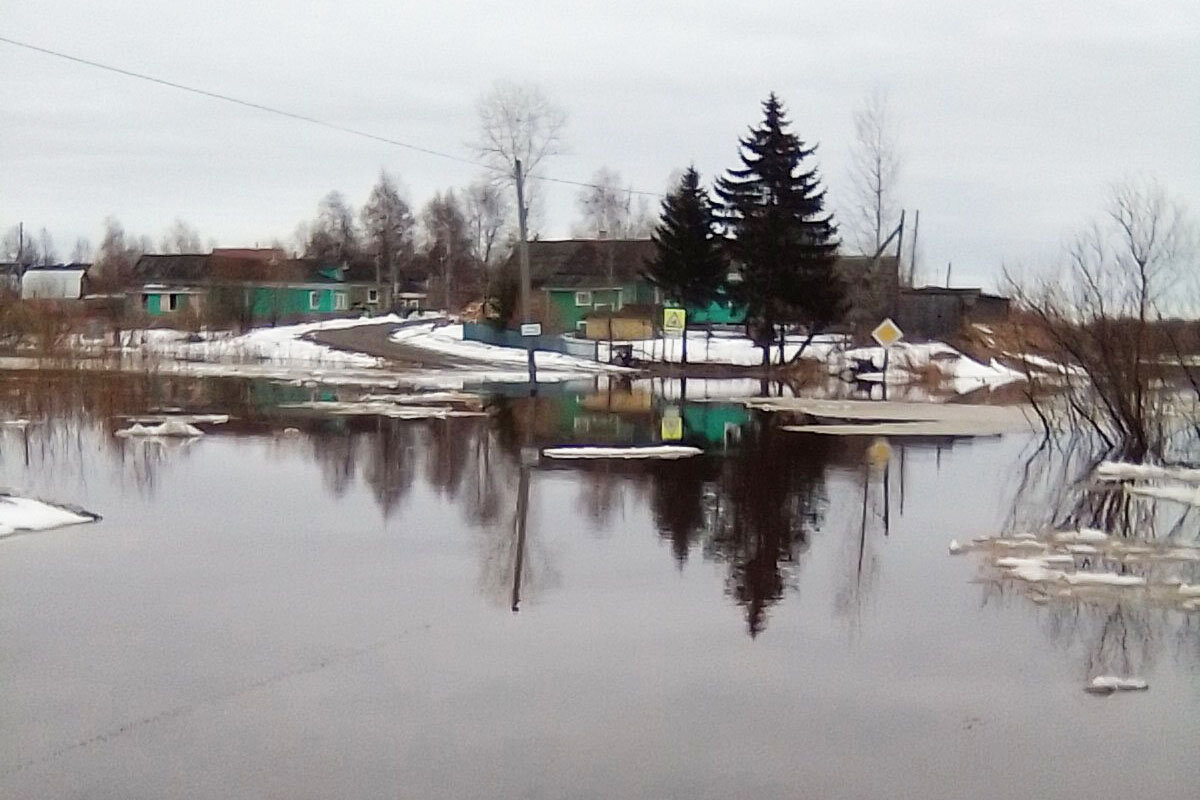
(673, 321)
(887, 333)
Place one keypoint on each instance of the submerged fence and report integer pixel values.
(581, 348)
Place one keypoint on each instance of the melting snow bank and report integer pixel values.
(171, 428)
(859, 417)
(18, 514)
(906, 361)
(1107, 684)
(667, 451)
(1088, 565)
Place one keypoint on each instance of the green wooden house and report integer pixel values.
(574, 278)
(251, 287)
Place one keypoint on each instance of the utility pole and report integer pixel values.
(526, 291)
(912, 261)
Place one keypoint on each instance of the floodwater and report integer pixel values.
(365, 607)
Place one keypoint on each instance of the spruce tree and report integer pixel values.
(781, 238)
(689, 265)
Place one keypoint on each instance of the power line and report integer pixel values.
(294, 115)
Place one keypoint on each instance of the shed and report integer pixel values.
(935, 312)
(633, 322)
(64, 282)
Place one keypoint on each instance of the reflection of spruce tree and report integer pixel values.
(769, 498)
(677, 500)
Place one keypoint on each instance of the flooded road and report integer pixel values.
(304, 605)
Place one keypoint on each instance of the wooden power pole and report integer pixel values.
(526, 290)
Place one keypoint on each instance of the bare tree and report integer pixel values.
(180, 238)
(117, 254)
(609, 207)
(18, 248)
(47, 255)
(81, 253)
(1106, 318)
(388, 228)
(874, 173)
(518, 122)
(486, 208)
(333, 236)
(447, 247)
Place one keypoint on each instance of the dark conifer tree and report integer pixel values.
(781, 238)
(689, 265)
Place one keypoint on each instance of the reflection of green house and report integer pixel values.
(238, 285)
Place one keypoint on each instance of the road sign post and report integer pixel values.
(887, 334)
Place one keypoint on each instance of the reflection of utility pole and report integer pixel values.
(523, 248)
(528, 457)
(522, 517)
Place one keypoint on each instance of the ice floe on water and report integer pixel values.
(1176, 484)
(172, 428)
(1090, 565)
(381, 408)
(190, 419)
(1125, 471)
(1107, 684)
(886, 418)
(656, 451)
(19, 514)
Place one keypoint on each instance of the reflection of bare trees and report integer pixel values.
(1116, 634)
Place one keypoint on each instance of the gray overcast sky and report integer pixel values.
(1014, 115)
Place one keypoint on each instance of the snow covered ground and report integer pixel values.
(447, 340)
(279, 345)
(724, 348)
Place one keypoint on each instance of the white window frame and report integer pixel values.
(314, 300)
(340, 301)
(372, 295)
(583, 299)
(414, 303)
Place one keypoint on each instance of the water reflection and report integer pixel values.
(753, 503)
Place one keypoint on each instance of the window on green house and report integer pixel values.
(339, 301)
(314, 301)
(583, 298)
